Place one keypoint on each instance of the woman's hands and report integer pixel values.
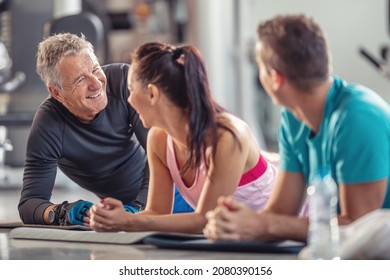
(109, 216)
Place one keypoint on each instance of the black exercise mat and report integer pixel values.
(17, 224)
(199, 242)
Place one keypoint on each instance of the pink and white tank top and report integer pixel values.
(254, 188)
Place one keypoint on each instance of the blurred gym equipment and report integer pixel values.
(383, 63)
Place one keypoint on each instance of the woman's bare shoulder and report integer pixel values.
(157, 133)
(157, 141)
(238, 126)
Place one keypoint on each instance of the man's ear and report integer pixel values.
(55, 93)
(153, 94)
(277, 79)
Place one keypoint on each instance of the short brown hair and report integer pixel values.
(295, 45)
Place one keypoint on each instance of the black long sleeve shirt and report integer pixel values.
(106, 156)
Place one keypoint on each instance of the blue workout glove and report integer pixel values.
(134, 207)
(130, 208)
(77, 211)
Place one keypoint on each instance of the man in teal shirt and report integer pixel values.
(353, 138)
(325, 122)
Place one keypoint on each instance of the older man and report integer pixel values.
(87, 129)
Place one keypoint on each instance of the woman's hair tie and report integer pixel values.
(178, 55)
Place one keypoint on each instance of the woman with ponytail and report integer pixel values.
(193, 143)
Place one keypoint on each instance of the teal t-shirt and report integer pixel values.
(354, 138)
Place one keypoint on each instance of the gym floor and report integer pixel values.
(19, 249)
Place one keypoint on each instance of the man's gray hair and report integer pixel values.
(53, 49)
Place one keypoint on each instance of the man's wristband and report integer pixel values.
(138, 205)
(54, 215)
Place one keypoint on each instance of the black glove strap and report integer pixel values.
(58, 213)
(61, 211)
(138, 205)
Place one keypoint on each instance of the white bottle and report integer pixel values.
(323, 237)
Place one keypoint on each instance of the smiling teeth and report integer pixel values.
(93, 96)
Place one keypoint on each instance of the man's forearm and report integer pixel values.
(280, 227)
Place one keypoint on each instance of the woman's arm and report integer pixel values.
(224, 172)
(111, 216)
(160, 196)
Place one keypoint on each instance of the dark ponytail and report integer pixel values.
(181, 74)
